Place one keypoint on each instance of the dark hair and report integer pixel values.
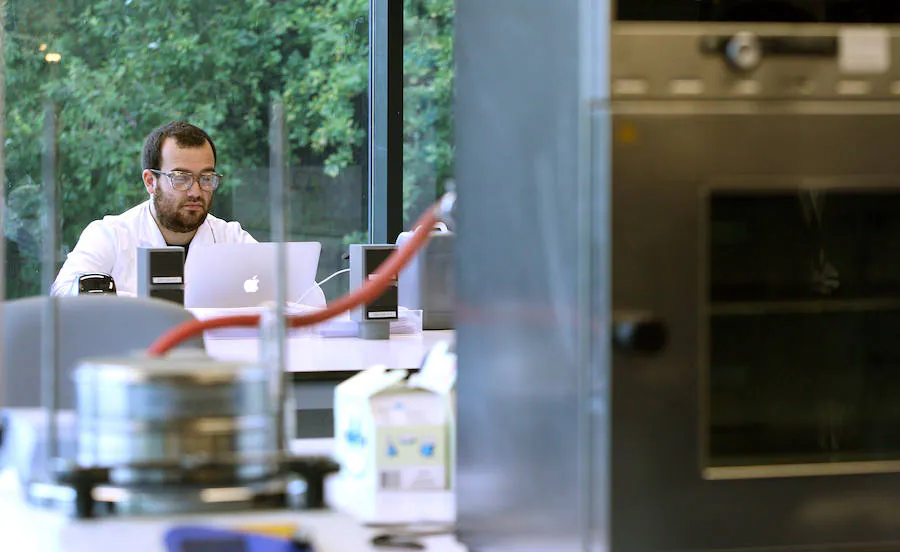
(185, 135)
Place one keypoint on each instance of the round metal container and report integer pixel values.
(175, 420)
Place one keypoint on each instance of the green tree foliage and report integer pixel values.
(427, 101)
(129, 65)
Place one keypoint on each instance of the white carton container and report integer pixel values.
(395, 441)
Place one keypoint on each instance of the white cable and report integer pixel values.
(319, 285)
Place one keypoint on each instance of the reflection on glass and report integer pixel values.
(427, 103)
(804, 327)
(127, 67)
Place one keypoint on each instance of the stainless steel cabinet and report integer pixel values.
(679, 278)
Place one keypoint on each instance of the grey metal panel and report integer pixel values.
(86, 323)
(385, 163)
(668, 150)
(378, 120)
(640, 70)
(309, 395)
(524, 274)
(523, 230)
(598, 408)
(660, 500)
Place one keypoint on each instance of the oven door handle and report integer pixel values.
(639, 332)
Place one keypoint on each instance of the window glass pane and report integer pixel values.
(127, 66)
(427, 103)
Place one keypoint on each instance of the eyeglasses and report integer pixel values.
(182, 181)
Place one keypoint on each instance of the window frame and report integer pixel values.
(385, 163)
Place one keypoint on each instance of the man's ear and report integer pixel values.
(149, 181)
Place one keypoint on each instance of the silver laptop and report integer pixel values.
(233, 275)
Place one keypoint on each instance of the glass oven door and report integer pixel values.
(803, 324)
(768, 244)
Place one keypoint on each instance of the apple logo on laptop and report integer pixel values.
(251, 285)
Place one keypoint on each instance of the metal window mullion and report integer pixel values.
(385, 120)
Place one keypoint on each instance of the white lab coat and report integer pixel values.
(110, 246)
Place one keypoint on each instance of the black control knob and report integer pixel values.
(638, 332)
(313, 470)
(83, 481)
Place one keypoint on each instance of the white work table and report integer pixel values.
(26, 528)
(311, 353)
(317, 364)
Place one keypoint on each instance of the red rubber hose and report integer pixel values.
(370, 291)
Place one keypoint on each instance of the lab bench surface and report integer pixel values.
(27, 529)
(318, 364)
(316, 355)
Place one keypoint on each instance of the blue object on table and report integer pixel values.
(209, 539)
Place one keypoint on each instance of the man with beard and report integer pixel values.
(179, 173)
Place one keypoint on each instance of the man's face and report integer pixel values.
(183, 211)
